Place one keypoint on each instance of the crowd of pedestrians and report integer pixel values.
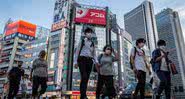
(86, 59)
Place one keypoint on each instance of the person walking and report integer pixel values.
(14, 77)
(106, 72)
(161, 68)
(39, 75)
(139, 63)
(85, 56)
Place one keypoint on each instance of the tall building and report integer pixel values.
(169, 29)
(42, 32)
(126, 46)
(141, 23)
(59, 49)
(67, 30)
(1, 42)
(1, 45)
(16, 34)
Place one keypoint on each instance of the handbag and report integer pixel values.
(173, 68)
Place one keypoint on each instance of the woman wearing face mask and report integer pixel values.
(161, 67)
(84, 57)
(106, 72)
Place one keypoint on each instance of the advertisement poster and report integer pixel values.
(21, 27)
(90, 16)
(61, 10)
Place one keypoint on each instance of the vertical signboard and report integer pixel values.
(61, 10)
(61, 57)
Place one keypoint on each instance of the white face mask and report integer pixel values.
(88, 35)
(162, 47)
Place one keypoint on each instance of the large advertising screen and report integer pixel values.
(21, 27)
(90, 16)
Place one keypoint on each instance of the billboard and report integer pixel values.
(90, 16)
(22, 27)
(58, 25)
(61, 10)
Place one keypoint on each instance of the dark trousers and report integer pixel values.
(39, 81)
(165, 83)
(141, 76)
(109, 84)
(85, 66)
(13, 89)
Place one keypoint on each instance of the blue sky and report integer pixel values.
(40, 12)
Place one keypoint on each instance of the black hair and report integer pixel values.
(140, 40)
(42, 53)
(161, 43)
(107, 46)
(20, 62)
(88, 30)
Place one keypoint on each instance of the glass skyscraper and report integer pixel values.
(141, 23)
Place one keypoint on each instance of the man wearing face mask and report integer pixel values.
(85, 56)
(14, 77)
(139, 63)
(161, 67)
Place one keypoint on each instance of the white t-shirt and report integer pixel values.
(139, 59)
(163, 63)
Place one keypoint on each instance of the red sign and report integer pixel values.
(90, 16)
(88, 93)
(21, 27)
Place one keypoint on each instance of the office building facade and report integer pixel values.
(16, 34)
(141, 23)
(126, 46)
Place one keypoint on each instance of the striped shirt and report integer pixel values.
(86, 51)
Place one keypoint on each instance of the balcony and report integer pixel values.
(9, 41)
(7, 53)
(7, 47)
(4, 65)
(5, 57)
(22, 41)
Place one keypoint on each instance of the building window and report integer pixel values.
(52, 60)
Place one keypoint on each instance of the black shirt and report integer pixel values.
(15, 74)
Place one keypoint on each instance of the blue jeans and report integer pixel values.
(165, 83)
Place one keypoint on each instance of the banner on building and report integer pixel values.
(21, 27)
(59, 25)
(90, 16)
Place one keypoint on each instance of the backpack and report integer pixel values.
(99, 58)
(92, 45)
(82, 44)
(135, 52)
